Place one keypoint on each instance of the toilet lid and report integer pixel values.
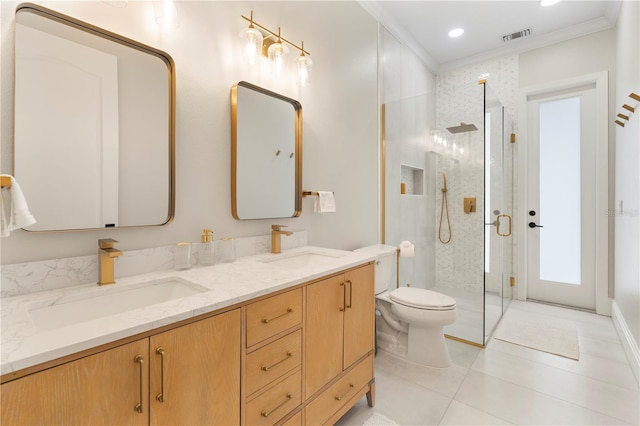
(422, 299)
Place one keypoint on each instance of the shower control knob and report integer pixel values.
(533, 225)
(532, 212)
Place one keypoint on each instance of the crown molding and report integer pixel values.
(375, 9)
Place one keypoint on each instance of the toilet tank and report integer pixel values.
(385, 265)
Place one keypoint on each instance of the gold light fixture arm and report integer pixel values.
(272, 34)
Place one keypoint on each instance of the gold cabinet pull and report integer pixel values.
(269, 367)
(267, 320)
(140, 360)
(266, 413)
(160, 396)
(348, 305)
(344, 297)
(508, 234)
(341, 397)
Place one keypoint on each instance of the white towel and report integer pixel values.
(14, 202)
(325, 202)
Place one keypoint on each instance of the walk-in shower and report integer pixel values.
(451, 152)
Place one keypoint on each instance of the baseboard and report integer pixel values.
(628, 342)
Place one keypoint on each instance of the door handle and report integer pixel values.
(508, 234)
(140, 360)
(160, 396)
(533, 225)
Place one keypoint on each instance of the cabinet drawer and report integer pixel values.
(272, 361)
(270, 316)
(294, 421)
(331, 400)
(276, 402)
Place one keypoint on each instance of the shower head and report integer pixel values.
(462, 128)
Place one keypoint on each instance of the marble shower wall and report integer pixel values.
(460, 99)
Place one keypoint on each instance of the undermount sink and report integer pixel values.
(112, 301)
(301, 260)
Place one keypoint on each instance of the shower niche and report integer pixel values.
(448, 146)
(411, 180)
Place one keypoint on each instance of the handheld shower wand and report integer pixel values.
(444, 206)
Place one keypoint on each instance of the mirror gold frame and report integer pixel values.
(272, 192)
(171, 95)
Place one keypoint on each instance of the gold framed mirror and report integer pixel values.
(266, 154)
(94, 143)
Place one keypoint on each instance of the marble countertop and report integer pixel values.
(23, 345)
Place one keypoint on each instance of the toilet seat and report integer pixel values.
(422, 299)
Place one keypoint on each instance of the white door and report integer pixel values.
(561, 197)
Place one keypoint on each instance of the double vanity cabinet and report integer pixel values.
(301, 355)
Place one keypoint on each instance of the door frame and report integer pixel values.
(601, 81)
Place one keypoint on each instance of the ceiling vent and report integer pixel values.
(519, 34)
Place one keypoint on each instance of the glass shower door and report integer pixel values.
(498, 211)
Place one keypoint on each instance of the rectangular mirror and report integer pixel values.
(266, 154)
(94, 125)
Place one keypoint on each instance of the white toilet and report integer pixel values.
(411, 320)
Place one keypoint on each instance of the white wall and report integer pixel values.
(339, 111)
(627, 237)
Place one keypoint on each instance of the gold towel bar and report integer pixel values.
(307, 193)
(5, 181)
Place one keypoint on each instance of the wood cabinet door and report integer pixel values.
(195, 373)
(323, 332)
(101, 389)
(359, 315)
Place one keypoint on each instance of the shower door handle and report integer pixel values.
(508, 234)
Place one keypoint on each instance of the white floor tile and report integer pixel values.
(444, 381)
(523, 406)
(614, 373)
(461, 414)
(604, 398)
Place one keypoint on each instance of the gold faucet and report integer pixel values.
(106, 254)
(276, 232)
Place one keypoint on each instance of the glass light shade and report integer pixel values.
(252, 44)
(278, 54)
(305, 64)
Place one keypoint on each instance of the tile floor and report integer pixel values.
(508, 384)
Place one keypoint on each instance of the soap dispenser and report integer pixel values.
(206, 252)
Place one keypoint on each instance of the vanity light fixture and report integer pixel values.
(261, 41)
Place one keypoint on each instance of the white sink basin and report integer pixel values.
(112, 301)
(301, 260)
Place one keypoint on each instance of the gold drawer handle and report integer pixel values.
(160, 396)
(266, 413)
(267, 320)
(140, 360)
(339, 398)
(269, 367)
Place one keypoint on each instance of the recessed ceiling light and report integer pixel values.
(456, 32)
(546, 3)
